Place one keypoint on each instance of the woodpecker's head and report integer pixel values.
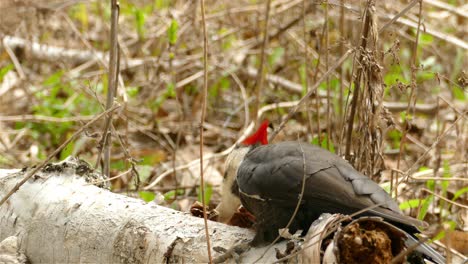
(229, 200)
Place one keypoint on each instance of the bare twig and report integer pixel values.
(411, 100)
(357, 80)
(306, 66)
(111, 178)
(420, 176)
(261, 76)
(443, 5)
(311, 91)
(436, 141)
(106, 140)
(202, 119)
(329, 102)
(15, 61)
(342, 70)
(400, 14)
(445, 199)
(451, 39)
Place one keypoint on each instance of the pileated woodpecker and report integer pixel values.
(267, 180)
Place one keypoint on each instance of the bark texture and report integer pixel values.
(60, 217)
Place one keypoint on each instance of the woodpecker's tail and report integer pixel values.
(426, 250)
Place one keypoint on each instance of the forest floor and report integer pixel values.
(405, 125)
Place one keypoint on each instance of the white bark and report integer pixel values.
(59, 217)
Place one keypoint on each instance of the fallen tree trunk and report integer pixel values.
(59, 217)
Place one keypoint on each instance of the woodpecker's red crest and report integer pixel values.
(260, 136)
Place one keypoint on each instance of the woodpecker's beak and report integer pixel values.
(230, 202)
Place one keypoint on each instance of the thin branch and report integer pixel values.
(419, 176)
(436, 141)
(15, 61)
(400, 14)
(261, 76)
(311, 91)
(342, 71)
(106, 140)
(327, 52)
(357, 79)
(445, 199)
(202, 119)
(411, 100)
(306, 66)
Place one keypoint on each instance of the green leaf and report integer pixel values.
(5, 70)
(140, 19)
(315, 141)
(147, 196)
(458, 93)
(386, 186)
(172, 32)
(170, 90)
(118, 165)
(208, 193)
(430, 184)
(446, 174)
(275, 56)
(162, 4)
(395, 136)
(425, 39)
(424, 76)
(80, 13)
(425, 207)
(442, 233)
(53, 79)
(423, 168)
(413, 203)
(170, 195)
(323, 144)
(144, 171)
(68, 150)
(132, 92)
(302, 76)
(224, 83)
(459, 193)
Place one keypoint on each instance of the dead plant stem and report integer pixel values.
(202, 119)
(357, 80)
(106, 140)
(327, 44)
(262, 73)
(411, 100)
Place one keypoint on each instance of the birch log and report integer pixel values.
(59, 217)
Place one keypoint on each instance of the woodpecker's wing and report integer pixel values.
(275, 172)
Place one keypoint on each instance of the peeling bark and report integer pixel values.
(59, 217)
